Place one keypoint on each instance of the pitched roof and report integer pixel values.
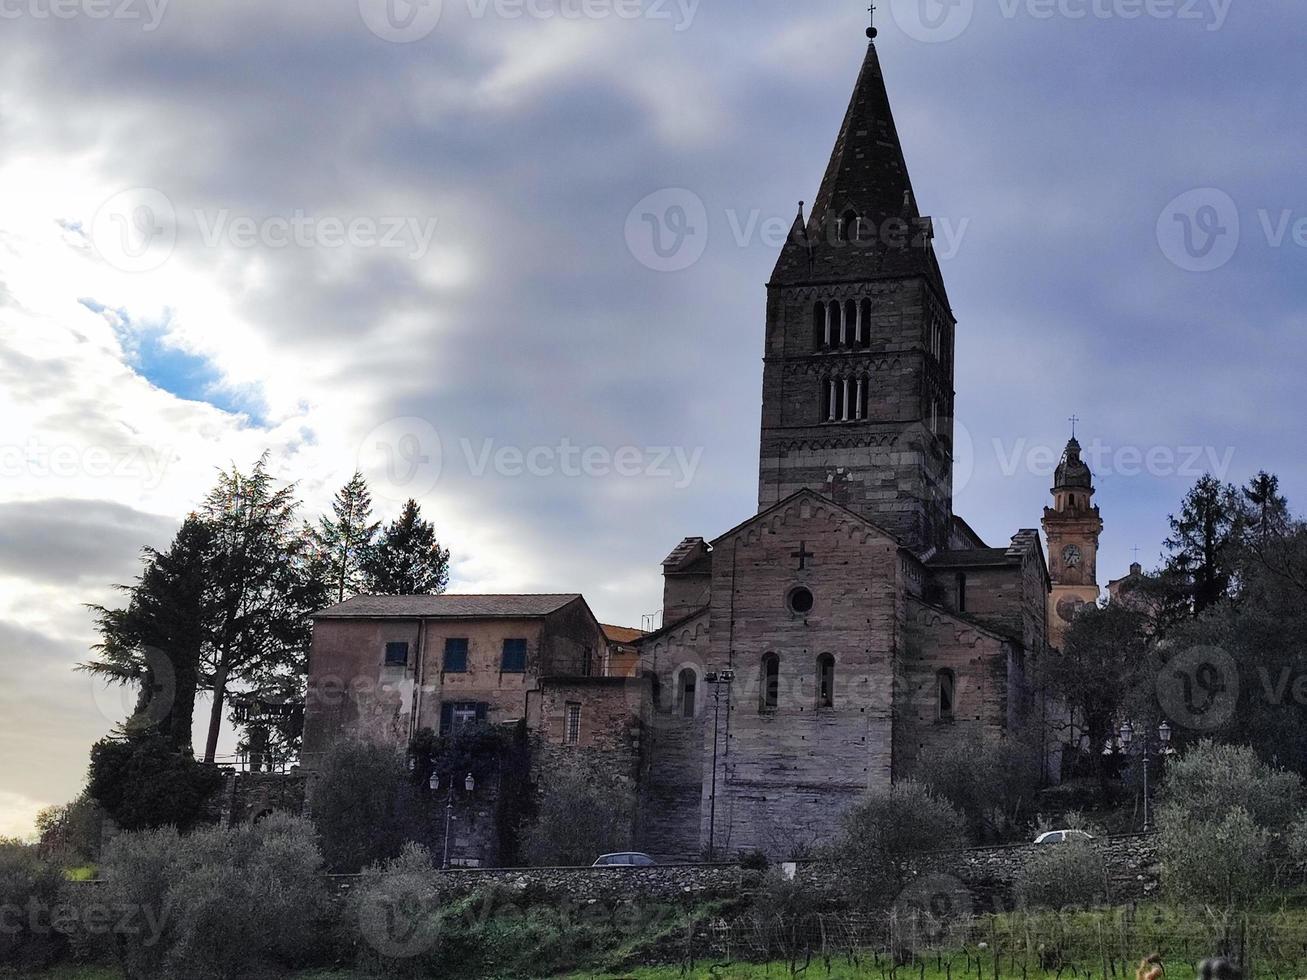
(972, 558)
(449, 607)
(868, 175)
(819, 498)
(622, 634)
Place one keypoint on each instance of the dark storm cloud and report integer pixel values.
(71, 542)
(1057, 143)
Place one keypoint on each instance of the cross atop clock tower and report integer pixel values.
(1072, 526)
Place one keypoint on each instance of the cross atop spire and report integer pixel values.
(871, 29)
(1074, 420)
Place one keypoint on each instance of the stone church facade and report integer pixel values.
(817, 649)
(814, 651)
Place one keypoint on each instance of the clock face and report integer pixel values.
(1071, 556)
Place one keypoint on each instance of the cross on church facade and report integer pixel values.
(803, 554)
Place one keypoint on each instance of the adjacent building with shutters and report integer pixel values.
(383, 668)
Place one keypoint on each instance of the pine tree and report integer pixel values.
(158, 639)
(1203, 540)
(263, 589)
(1266, 511)
(408, 560)
(342, 544)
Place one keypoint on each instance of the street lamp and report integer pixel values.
(716, 679)
(1164, 739)
(469, 784)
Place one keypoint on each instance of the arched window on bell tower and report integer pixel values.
(826, 681)
(945, 694)
(771, 681)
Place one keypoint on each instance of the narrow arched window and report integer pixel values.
(826, 681)
(819, 326)
(687, 685)
(962, 591)
(945, 693)
(864, 313)
(849, 226)
(771, 681)
(851, 336)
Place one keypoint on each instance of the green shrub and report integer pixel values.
(1222, 809)
(582, 814)
(29, 892)
(882, 834)
(1059, 876)
(364, 807)
(143, 782)
(219, 904)
(394, 915)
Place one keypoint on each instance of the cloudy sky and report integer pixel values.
(413, 238)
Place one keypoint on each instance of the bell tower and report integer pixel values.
(857, 397)
(1072, 526)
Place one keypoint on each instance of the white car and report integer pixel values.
(625, 859)
(1062, 836)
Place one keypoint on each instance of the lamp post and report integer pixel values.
(716, 679)
(469, 784)
(1164, 739)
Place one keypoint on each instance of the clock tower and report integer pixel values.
(1072, 526)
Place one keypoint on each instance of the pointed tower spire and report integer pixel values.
(864, 222)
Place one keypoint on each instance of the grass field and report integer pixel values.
(1103, 944)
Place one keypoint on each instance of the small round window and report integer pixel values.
(800, 601)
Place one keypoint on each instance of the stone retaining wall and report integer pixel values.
(674, 883)
(988, 873)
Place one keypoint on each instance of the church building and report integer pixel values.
(812, 652)
(820, 647)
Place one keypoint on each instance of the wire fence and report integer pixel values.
(1106, 944)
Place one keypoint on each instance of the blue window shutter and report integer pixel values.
(455, 656)
(483, 710)
(396, 654)
(514, 660)
(446, 717)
